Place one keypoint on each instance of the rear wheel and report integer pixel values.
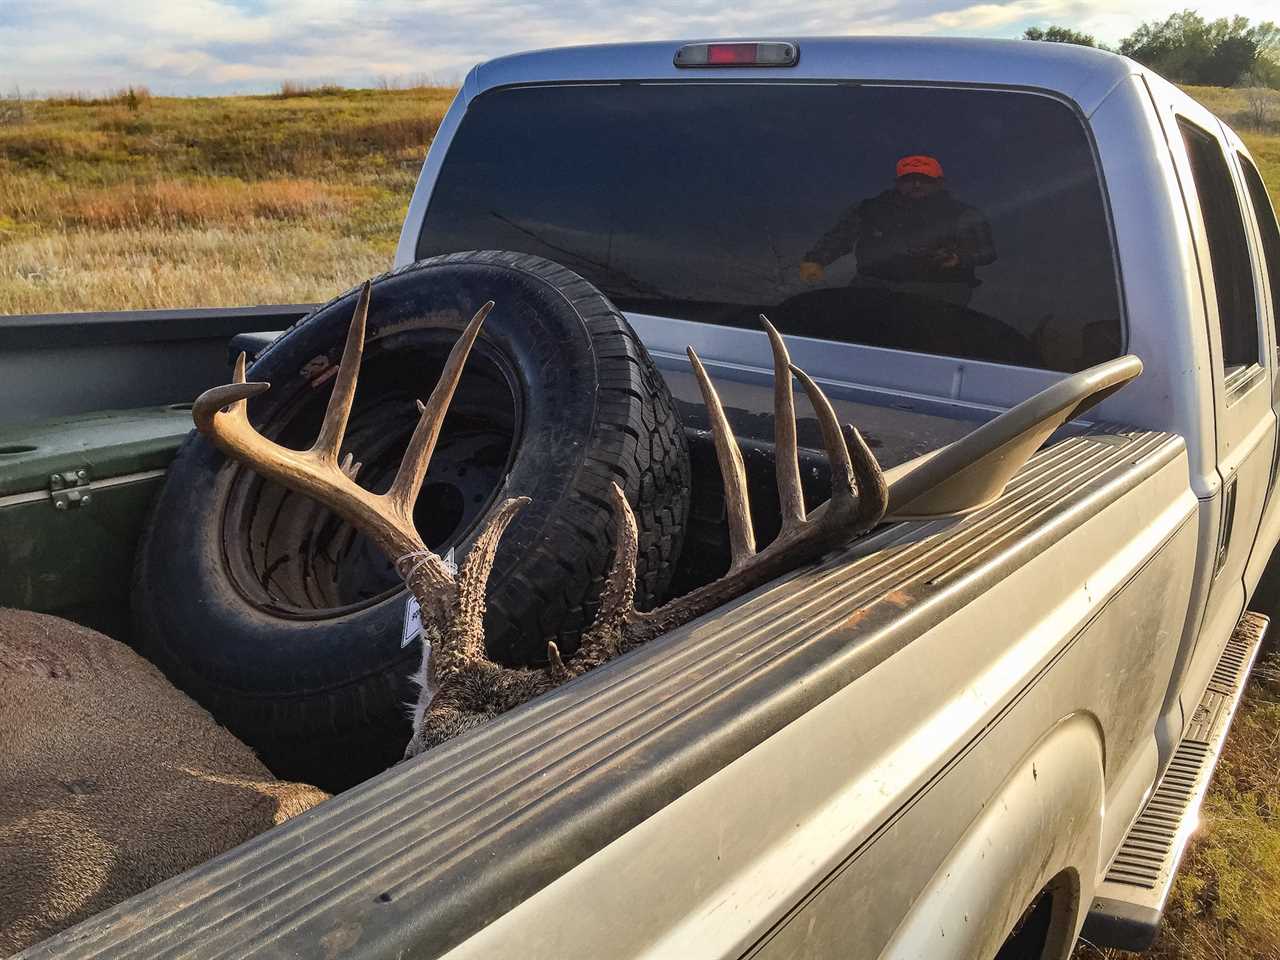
(286, 623)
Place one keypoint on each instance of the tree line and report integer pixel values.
(1187, 48)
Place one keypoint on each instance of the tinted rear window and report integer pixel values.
(718, 201)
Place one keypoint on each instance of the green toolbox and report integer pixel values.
(74, 495)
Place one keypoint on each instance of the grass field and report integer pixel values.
(134, 201)
(205, 202)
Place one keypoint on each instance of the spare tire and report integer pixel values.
(286, 624)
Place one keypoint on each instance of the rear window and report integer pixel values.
(966, 222)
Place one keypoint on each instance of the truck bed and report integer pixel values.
(431, 852)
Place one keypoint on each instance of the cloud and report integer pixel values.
(997, 16)
(209, 46)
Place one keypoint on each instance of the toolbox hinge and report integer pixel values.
(70, 489)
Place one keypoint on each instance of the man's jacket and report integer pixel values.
(895, 238)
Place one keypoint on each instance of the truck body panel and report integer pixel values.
(1242, 404)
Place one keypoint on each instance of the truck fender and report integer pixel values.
(1040, 828)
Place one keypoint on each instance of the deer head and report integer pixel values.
(460, 686)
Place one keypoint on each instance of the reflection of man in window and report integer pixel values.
(915, 238)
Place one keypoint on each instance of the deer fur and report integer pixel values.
(111, 779)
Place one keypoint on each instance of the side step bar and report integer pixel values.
(1129, 902)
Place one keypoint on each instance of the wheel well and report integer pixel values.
(1045, 929)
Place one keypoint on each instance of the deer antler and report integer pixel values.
(387, 518)
(858, 500)
(859, 497)
(461, 687)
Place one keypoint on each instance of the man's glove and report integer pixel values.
(810, 271)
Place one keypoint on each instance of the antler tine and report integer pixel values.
(742, 538)
(873, 490)
(466, 641)
(617, 599)
(786, 449)
(842, 481)
(413, 467)
(604, 638)
(334, 426)
(388, 518)
(232, 396)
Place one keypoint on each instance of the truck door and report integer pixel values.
(1243, 368)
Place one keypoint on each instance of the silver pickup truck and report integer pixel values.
(973, 732)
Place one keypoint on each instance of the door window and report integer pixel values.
(1266, 218)
(1228, 250)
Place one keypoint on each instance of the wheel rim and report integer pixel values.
(290, 557)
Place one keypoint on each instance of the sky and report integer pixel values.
(192, 47)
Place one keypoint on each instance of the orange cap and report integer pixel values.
(919, 163)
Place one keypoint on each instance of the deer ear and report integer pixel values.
(425, 680)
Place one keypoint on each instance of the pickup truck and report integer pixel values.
(964, 735)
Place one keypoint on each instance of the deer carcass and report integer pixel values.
(111, 779)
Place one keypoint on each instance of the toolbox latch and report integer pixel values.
(70, 489)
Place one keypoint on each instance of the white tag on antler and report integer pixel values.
(412, 622)
(413, 610)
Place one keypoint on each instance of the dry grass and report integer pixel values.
(133, 97)
(1266, 151)
(1225, 903)
(1255, 109)
(129, 200)
(158, 266)
(301, 88)
(176, 204)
